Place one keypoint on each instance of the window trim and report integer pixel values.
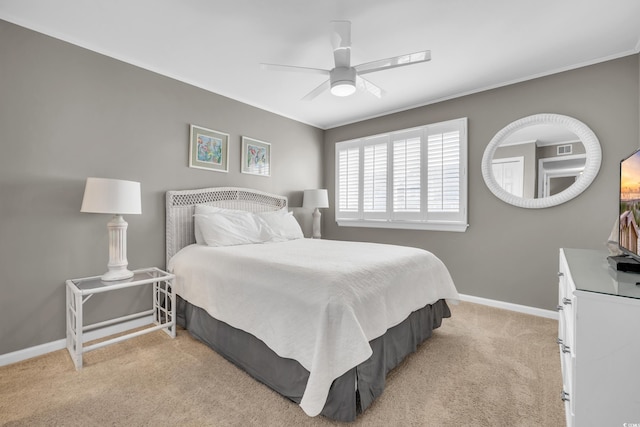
(403, 225)
(427, 221)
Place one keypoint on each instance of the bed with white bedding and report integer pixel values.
(320, 321)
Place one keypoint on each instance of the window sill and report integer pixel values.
(404, 225)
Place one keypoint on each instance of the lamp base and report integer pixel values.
(113, 275)
(316, 224)
(117, 265)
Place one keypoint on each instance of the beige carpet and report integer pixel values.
(483, 367)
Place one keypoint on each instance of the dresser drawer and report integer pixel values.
(565, 281)
(566, 325)
(568, 364)
(568, 415)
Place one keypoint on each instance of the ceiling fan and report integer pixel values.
(344, 78)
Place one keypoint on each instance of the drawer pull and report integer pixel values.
(558, 308)
(560, 274)
(566, 301)
(564, 396)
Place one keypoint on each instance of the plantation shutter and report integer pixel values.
(374, 198)
(444, 196)
(407, 165)
(348, 168)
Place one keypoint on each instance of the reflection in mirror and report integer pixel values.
(538, 160)
(541, 161)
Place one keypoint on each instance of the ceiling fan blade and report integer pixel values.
(340, 34)
(317, 91)
(341, 43)
(367, 86)
(277, 67)
(396, 61)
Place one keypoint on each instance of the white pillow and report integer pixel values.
(225, 229)
(207, 209)
(282, 225)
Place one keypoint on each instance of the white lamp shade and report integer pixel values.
(111, 196)
(315, 199)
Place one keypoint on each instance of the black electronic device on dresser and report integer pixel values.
(624, 263)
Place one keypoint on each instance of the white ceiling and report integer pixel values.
(217, 45)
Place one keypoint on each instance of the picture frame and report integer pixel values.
(208, 149)
(256, 157)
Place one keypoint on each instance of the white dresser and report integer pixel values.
(599, 338)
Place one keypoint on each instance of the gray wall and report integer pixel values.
(508, 253)
(67, 113)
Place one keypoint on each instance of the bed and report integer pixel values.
(321, 322)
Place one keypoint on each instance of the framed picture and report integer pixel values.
(208, 149)
(256, 157)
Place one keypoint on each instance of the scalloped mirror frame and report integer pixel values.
(592, 166)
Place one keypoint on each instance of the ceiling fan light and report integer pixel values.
(343, 81)
(344, 88)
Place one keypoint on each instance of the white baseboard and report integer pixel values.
(39, 350)
(549, 314)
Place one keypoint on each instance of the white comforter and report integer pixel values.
(319, 302)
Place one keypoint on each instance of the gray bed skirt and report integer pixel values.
(289, 378)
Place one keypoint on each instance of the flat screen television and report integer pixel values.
(629, 231)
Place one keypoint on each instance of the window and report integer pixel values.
(414, 178)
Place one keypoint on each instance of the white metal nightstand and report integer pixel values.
(80, 290)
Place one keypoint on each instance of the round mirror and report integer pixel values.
(541, 161)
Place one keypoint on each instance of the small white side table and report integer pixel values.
(80, 290)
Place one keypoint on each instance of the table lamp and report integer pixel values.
(315, 199)
(117, 197)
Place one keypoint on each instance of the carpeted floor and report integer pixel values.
(483, 367)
